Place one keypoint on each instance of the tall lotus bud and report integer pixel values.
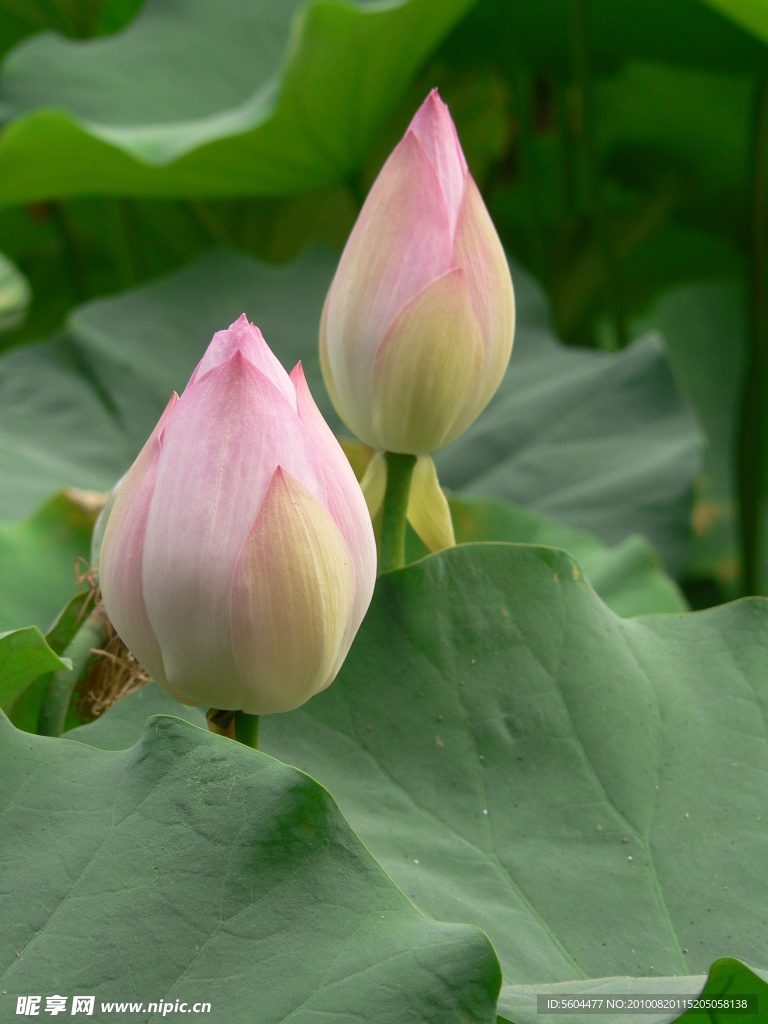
(238, 560)
(418, 324)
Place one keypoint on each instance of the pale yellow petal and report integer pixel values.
(427, 368)
(428, 510)
(374, 483)
(358, 455)
(292, 594)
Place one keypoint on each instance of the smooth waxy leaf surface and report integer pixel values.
(266, 97)
(628, 577)
(190, 867)
(601, 442)
(25, 655)
(589, 790)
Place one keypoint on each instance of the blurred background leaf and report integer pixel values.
(622, 150)
(597, 441)
(264, 97)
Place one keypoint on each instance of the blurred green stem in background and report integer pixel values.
(90, 637)
(118, 216)
(753, 438)
(582, 128)
(69, 246)
(531, 173)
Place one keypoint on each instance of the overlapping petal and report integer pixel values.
(246, 338)
(428, 510)
(405, 216)
(230, 431)
(478, 251)
(434, 342)
(346, 504)
(292, 593)
(121, 554)
(434, 128)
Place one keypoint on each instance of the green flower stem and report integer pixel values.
(752, 455)
(247, 729)
(53, 711)
(392, 541)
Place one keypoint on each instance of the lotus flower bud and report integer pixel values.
(418, 324)
(238, 560)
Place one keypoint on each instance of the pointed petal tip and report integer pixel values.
(246, 338)
(433, 126)
(172, 403)
(162, 423)
(433, 101)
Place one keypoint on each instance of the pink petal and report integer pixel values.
(346, 504)
(120, 558)
(246, 338)
(231, 429)
(479, 253)
(434, 128)
(400, 242)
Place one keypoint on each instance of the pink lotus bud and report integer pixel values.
(238, 560)
(418, 324)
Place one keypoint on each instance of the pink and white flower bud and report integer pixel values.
(238, 560)
(417, 328)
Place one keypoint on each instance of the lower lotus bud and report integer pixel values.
(238, 560)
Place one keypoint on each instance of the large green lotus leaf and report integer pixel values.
(704, 327)
(589, 790)
(628, 577)
(190, 867)
(38, 559)
(123, 724)
(25, 655)
(602, 442)
(264, 96)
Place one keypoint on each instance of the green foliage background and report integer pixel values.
(167, 165)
